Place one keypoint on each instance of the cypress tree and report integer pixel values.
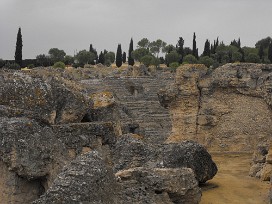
(194, 47)
(243, 54)
(124, 57)
(212, 49)
(261, 52)
(118, 59)
(217, 43)
(270, 52)
(180, 49)
(101, 58)
(19, 48)
(92, 50)
(207, 49)
(130, 59)
(239, 43)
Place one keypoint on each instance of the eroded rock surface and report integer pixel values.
(86, 180)
(130, 151)
(28, 148)
(50, 100)
(227, 110)
(262, 163)
(61, 122)
(158, 185)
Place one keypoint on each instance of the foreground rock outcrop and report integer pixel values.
(86, 180)
(65, 141)
(158, 185)
(50, 100)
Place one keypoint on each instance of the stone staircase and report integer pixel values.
(139, 103)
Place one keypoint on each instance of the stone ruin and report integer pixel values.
(127, 139)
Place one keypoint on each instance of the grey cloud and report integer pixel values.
(74, 24)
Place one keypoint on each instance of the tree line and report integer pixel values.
(148, 52)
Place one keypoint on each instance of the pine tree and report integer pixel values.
(270, 52)
(194, 47)
(19, 48)
(124, 57)
(118, 59)
(130, 59)
(101, 58)
(207, 50)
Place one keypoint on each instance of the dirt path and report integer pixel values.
(232, 185)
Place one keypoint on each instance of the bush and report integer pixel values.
(190, 59)
(237, 57)
(171, 57)
(174, 65)
(12, 66)
(147, 60)
(59, 65)
(253, 58)
(207, 61)
(30, 66)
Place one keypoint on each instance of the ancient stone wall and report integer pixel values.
(227, 110)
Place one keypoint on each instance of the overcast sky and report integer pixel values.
(74, 24)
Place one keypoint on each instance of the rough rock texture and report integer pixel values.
(262, 163)
(79, 137)
(136, 71)
(50, 100)
(48, 121)
(227, 110)
(15, 189)
(130, 151)
(158, 185)
(86, 180)
(29, 149)
(138, 104)
(191, 155)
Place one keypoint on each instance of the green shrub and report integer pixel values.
(30, 66)
(253, 58)
(207, 61)
(174, 65)
(146, 60)
(190, 59)
(59, 65)
(12, 66)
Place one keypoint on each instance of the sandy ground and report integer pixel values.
(232, 185)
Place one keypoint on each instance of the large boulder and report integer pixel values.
(87, 179)
(130, 151)
(158, 185)
(29, 149)
(104, 108)
(51, 100)
(262, 163)
(82, 137)
(191, 155)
